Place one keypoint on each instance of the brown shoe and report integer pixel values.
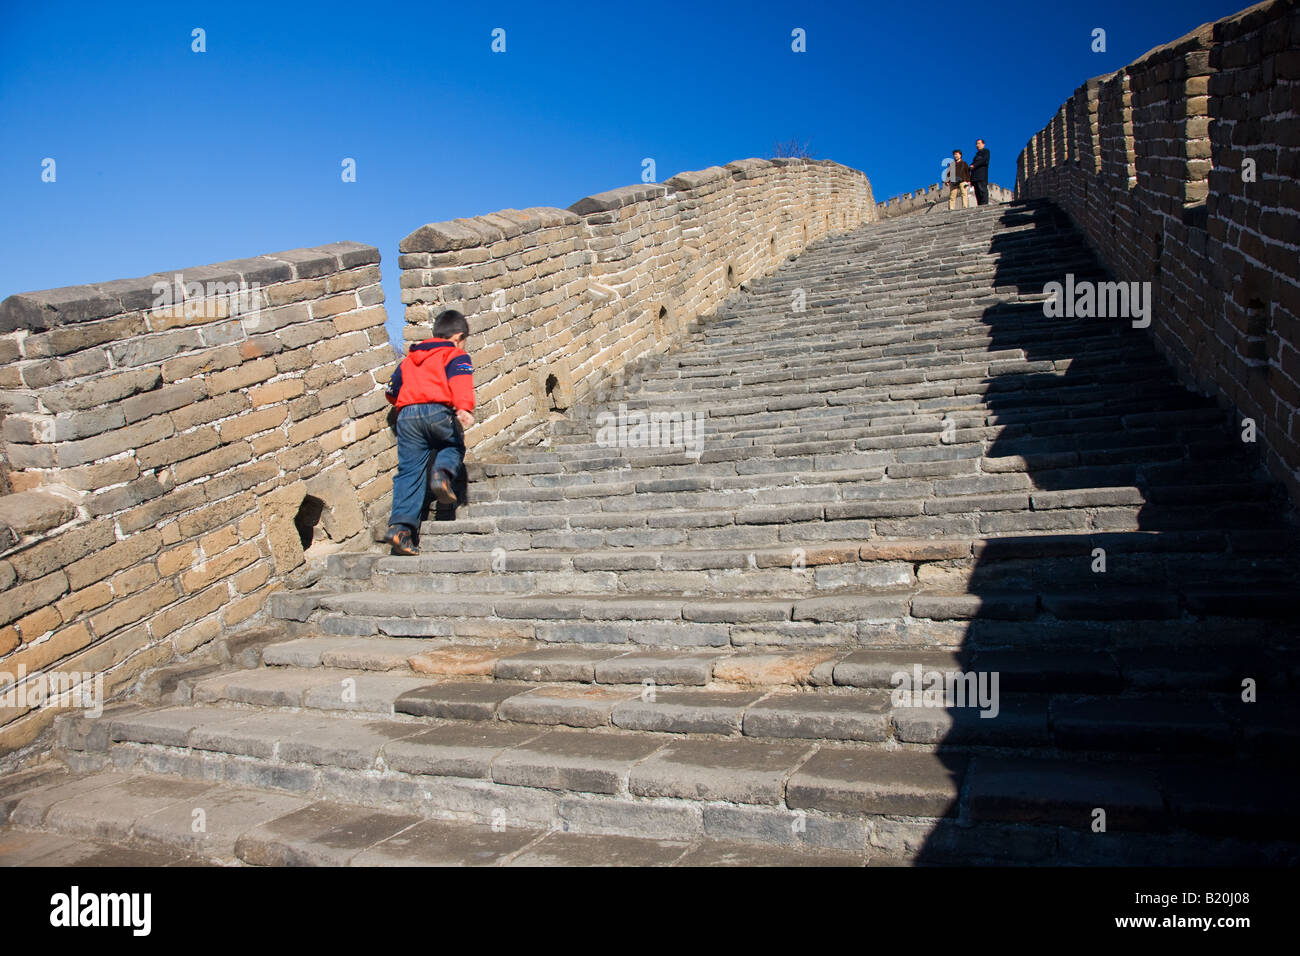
(402, 541)
(440, 485)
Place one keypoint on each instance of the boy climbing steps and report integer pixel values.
(433, 391)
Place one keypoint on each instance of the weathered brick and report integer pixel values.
(339, 346)
(219, 541)
(85, 599)
(196, 311)
(143, 433)
(353, 278)
(133, 609)
(126, 496)
(187, 639)
(48, 372)
(251, 423)
(133, 579)
(178, 448)
(220, 566)
(59, 645)
(240, 376)
(176, 559)
(123, 554)
(325, 308)
(275, 392)
(212, 463)
(241, 609)
(317, 425)
(107, 653)
(202, 363)
(360, 319)
(165, 399)
(202, 413)
(61, 550)
(298, 290)
(38, 623)
(151, 513)
(27, 597)
(215, 515)
(188, 611)
(83, 335)
(252, 578)
(285, 545)
(344, 390)
(100, 474)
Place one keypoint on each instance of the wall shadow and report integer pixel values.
(1106, 674)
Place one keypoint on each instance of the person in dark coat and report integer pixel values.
(979, 173)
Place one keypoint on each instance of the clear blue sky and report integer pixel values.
(167, 158)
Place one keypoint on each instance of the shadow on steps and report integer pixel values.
(1124, 637)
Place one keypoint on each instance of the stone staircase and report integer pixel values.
(916, 473)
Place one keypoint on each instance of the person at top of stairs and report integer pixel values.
(433, 392)
(957, 176)
(979, 173)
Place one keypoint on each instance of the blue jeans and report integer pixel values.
(424, 431)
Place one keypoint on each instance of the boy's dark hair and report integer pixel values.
(956, 152)
(450, 323)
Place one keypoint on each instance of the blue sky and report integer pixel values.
(167, 158)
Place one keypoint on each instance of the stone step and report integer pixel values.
(1060, 670)
(998, 491)
(819, 568)
(857, 399)
(671, 702)
(1102, 615)
(866, 348)
(680, 460)
(887, 390)
(938, 432)
(1184, 548)
(134, 818)
(1099, 360)
(866, 483)
(834, 422)
(788, 793)
(804, 525)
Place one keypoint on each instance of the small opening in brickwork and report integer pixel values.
(553, 393)
(307, 519)
(731, 276)
(773, 243)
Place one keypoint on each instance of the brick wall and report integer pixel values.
(566, 299)
(161, 442)
(1152, 163)
(166, 440)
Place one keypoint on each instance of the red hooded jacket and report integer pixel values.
(433, 371)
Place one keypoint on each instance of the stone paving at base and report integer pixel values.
(136, 820)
